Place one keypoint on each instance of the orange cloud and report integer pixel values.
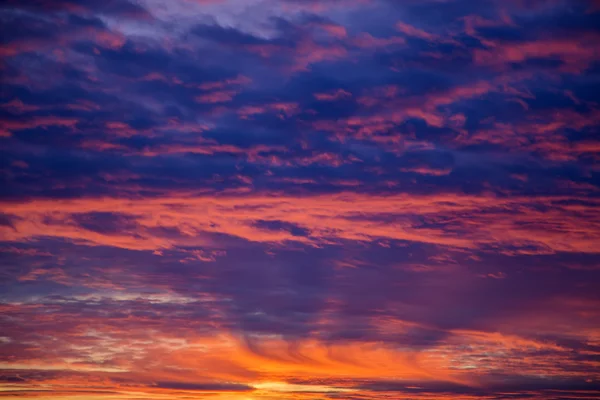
(487, 221)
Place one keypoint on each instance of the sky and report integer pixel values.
(299, 199)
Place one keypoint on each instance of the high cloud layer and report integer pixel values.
(300, 199)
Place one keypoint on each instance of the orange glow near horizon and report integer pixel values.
(299, 199)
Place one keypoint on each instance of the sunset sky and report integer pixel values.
(299, 199)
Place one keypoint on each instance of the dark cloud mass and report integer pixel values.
(298, 199)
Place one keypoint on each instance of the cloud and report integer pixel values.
(204, 387)
(336, 199)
